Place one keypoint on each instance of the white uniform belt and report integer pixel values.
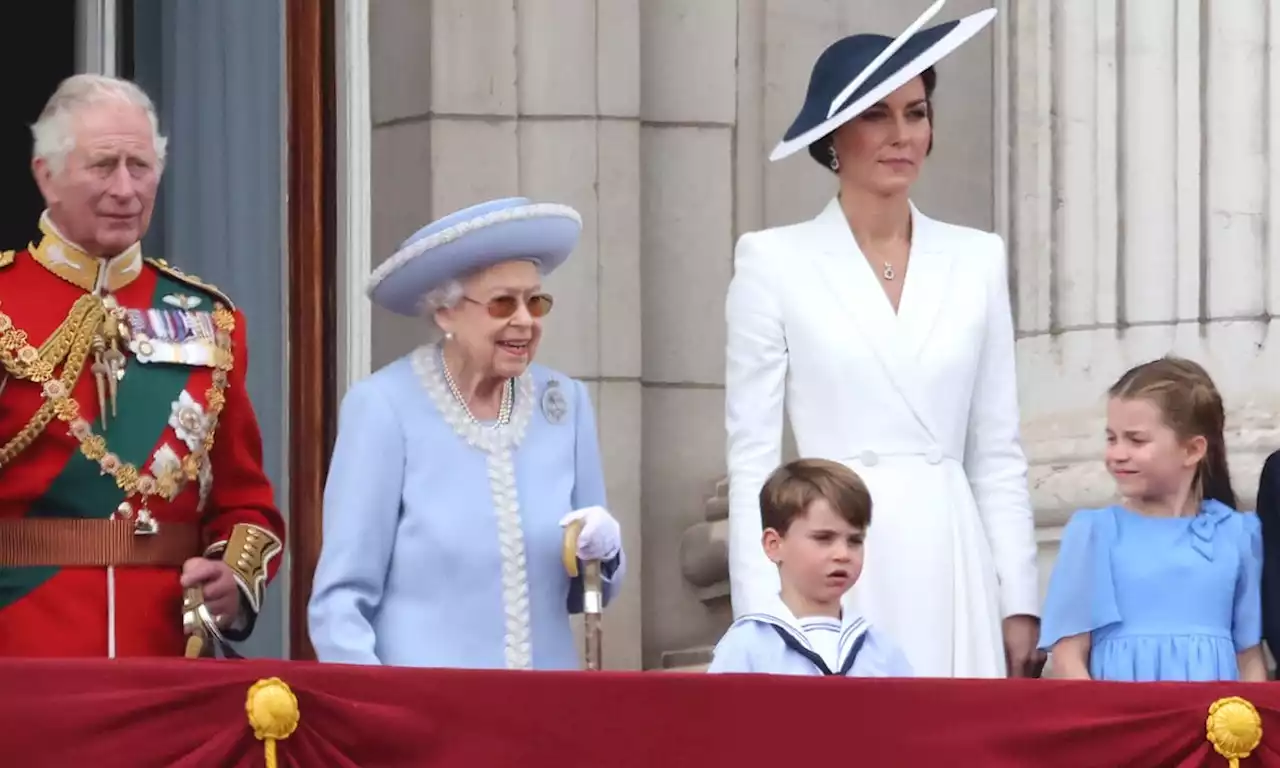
(870, 458)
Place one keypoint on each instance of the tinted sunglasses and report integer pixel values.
(502, 307)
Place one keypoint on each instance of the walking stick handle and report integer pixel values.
(592, 594)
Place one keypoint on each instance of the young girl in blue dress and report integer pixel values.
(1165, 585)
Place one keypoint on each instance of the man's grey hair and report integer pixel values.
(444, 296)
(54, 131)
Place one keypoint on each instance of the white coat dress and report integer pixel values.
(922, 404)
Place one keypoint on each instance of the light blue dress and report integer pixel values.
(773, 641)
(442, 542)
(1166, 598)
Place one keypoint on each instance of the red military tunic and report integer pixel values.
(183, 447)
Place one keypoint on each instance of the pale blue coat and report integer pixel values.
(442, 543)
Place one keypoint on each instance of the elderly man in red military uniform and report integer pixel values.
(131, 460)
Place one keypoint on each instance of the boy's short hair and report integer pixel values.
(791, 488)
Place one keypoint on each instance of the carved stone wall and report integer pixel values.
(1144, 175)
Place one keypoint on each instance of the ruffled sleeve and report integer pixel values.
(1082, 596)
(1246, 624)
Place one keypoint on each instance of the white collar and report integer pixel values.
(776, 613)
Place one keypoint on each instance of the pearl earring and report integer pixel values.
(835, 161)
(448, 336)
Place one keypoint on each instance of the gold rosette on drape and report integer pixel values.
(273, 714)
(1234, 728)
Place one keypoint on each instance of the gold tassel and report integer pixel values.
(273, 714)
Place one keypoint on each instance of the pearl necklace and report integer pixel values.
(504, 410)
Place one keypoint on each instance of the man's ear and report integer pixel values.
(43, 175)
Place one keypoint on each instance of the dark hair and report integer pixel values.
(1191, 405)
(794, 486)
(820, 150)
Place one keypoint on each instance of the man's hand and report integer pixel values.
(221, 593)
(1021, 635)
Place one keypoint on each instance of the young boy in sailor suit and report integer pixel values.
(815, 515)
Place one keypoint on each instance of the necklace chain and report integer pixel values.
(504, 410)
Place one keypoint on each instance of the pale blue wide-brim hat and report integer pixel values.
(508, 229)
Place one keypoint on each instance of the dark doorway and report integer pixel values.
(24, 92)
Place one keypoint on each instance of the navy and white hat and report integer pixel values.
(857, 72)
(474, 238)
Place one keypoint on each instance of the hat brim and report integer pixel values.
(543, 233)
(959, 34)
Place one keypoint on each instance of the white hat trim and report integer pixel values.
(448, 235)
(884, 56)
(965, 29)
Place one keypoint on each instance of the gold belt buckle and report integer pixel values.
(144, 524)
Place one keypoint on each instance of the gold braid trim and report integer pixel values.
(192, 280)
(69, 345)
(73, 340)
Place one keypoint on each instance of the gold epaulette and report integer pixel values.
(7, 257)
(191, 280)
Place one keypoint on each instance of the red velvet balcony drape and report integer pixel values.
(191, 714)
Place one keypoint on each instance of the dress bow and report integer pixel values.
(1212, 514)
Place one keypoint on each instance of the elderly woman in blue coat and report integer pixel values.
(457, 466)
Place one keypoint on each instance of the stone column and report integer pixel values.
(1141, 179)
(688, 52)
(475, 99)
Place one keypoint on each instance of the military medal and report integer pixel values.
(554, 405)
(176, 336)
(182, 301)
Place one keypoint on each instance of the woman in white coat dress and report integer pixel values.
(890, 335)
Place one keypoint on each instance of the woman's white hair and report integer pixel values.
(54, 131)
(444, 296)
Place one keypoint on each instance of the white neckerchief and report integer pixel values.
(824, 635)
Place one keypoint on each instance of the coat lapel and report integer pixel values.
(925, 289)
(897, 339)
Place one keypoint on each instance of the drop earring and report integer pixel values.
(835, 161)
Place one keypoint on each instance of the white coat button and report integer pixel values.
(933, 455)
(869, 458)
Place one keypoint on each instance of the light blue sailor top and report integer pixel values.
(1165, 598)
(774, 641)
(442, 544)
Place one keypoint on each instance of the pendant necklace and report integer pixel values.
(888, 271)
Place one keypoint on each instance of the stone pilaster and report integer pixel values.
(688, 91)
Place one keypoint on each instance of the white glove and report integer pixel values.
(601, 536)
